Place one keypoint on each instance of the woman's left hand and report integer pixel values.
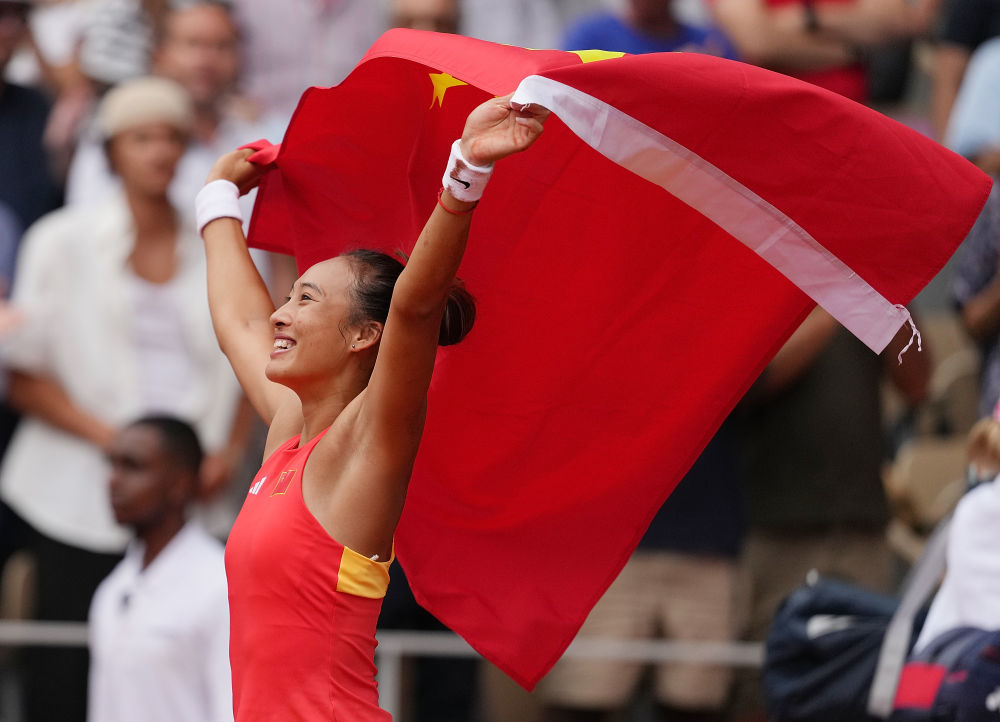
(236, 167)
(495, 130)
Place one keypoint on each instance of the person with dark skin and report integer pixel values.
(133, 255)
(159, 621)
(153, 480)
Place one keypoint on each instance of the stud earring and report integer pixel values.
(352, 345)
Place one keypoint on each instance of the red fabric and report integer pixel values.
(918, 685)
(266, 152)
(299, 648)
(616, 327)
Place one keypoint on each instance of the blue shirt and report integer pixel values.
(606, 31)
(974, 125)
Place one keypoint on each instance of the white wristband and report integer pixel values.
(464, 181)
(218, 199)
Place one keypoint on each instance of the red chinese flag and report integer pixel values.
(635, 270)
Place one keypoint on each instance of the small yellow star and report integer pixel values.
(592, 56)
(441, 82)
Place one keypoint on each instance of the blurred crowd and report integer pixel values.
(112, 113)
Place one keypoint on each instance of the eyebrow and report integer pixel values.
(307, 284)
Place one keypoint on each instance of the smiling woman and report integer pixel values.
(340, 373)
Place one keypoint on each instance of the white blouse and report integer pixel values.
(74, 285)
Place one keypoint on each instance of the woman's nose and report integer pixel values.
(280, 316)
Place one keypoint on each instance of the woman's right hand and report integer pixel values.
(235, 168)
(497, 129)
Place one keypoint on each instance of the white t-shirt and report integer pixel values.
(165, 358)
(159, 637)
(970, 593)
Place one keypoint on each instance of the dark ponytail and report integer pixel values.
(375, 275)
(459, 315)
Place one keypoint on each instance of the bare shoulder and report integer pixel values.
(361, 437)
(355, 480)
(342, 440)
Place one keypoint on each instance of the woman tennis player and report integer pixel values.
(340, 373)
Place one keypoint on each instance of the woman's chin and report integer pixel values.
(275, 371)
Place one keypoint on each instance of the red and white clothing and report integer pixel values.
(303, 607)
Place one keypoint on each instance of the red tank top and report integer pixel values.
(302, 607)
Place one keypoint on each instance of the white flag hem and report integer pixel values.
(739, 211)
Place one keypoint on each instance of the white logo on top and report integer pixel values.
(820, 624)
(256, 487)
(993, 701)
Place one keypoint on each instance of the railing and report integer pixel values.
(16, 633)
(394, 647)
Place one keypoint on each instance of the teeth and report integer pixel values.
(282, 343)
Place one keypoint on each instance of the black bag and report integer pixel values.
(822, 652)
(835, 652)
(979, 700)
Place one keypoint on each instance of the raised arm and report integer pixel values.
(396, 395)
(237, 296)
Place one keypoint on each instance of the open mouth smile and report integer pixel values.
(282, 344)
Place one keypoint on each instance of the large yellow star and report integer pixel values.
(592, 56)
(443, 81)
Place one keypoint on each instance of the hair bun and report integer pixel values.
(459, 315)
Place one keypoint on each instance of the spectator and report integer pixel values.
(526, 23)
(319, 43)
(967, 25)
(974, 125)
(440, 16)
(26, 184)
(159, 623)
(820, 42)
(116, 326)
(814, 446)
(27, 191)
(118, 40)
(48, 61)
(55, 28)
(679, 584)
(199, 49)
(976, 290)
(647, 26)
(970, 593)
